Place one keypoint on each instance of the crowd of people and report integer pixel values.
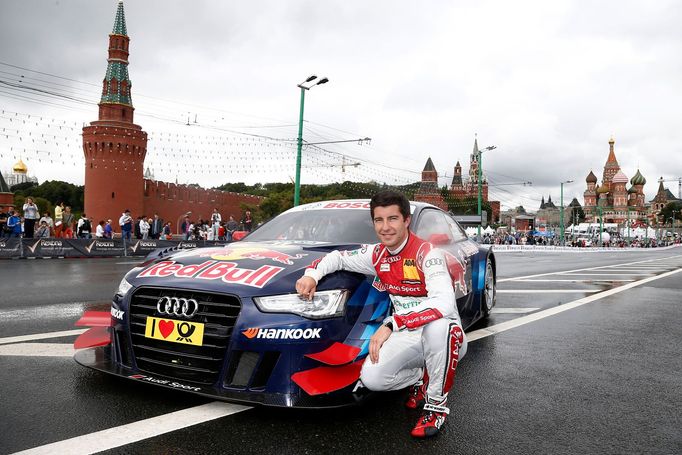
(608, 240)
(30, 224)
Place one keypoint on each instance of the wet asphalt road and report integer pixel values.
(604, 377)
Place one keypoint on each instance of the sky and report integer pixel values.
(214, 84)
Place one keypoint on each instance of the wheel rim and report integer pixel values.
(489, 287)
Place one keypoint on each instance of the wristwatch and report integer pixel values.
(389, 324)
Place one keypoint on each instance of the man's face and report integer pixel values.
(390, 226)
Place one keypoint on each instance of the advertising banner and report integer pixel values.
(144, 247)
(48, 248)
(10, 248)
(96, 247)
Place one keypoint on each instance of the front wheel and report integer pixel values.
(488, 295)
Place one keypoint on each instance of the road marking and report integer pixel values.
(512, 310)
(504, 326)
(140, 430)
(129, 263)
(605, 274)
(38, 349)
(576, 280)
(41, 336)
(594, 268)
(544, 291)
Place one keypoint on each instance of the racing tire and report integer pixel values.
(488, 294)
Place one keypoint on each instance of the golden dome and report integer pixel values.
(20, 167)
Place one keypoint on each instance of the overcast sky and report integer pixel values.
(547, 83)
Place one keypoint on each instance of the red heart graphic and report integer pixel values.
(166, 328)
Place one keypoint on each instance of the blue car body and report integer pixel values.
(251, 355)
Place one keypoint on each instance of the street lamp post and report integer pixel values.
(601, 226)
(561, 215)
(480, 186)
(303, 87)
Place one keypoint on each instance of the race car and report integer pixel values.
(226, 321)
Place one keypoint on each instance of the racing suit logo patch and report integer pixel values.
(410, 270)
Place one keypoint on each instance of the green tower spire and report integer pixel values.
(120, 22)
(117, 83)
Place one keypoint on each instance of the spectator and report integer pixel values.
(221, 232)
(167, 231)
(138, 233)
(156, 226)
(4, 230)
(84, 228)
(185, 228)
(126, 223)
(14, 224)
(43, 231)
(99, 230)
(47, 219)
(67, 223)
(58, 219)
(108, 230)
(30, 217)
(144, 228)
(230, 227)
(215, 222)
(248, 221)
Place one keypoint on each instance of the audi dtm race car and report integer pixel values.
(226, 321)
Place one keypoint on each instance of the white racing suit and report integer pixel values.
(427, 330)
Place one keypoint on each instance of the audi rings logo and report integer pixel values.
(175, 306)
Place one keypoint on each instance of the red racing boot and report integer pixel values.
(431, 421)
(417, 393)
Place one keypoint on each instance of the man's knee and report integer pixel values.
(372, 377)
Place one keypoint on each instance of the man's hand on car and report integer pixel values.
(305, 286)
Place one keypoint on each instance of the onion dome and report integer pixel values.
(602, 189)
(591, 178)
(20, 167)
(638, 179)
(620, 177)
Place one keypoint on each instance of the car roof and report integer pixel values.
(415, 205)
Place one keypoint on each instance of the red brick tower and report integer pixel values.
(113, 145)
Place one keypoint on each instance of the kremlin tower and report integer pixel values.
(113, 145)
(115, 149)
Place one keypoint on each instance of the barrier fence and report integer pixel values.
(84, 248)
(569, 249)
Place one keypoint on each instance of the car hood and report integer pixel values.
(243, 268)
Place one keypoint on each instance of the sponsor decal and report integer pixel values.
(457, 266)
(385, 268)
(282, 334)
(410, 270)
(188, 245)
(346, 205)
(183, 332)
(228, 272)
(116, 313)
(432, 262)
(391, 259)
(148, 244)
(233, 254)
(100, 244)
(166, 382)
(378, 285)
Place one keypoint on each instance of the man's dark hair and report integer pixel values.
(386, 198)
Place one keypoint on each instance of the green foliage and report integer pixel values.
(469, 206)
(666, 214)
(54, 192)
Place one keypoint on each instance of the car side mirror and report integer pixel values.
(439, 239)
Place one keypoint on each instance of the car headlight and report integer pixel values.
(324, 304)
(123, 287)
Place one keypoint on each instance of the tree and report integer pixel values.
(666, 213)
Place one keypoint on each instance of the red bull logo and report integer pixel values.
(256, 253)
(228, 272)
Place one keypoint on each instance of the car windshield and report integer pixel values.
(332, 226)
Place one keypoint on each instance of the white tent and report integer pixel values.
(471, 231)
(488, 230)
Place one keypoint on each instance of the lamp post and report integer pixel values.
(561, 215)
(303, 87)
(480, 185)
(601, 225)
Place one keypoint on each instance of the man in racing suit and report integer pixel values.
(420, 344)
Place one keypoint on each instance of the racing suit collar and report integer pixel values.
(402, 245)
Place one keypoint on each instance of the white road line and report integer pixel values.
(41, 336)
(138, 431)
(38, 349)
(576, 280)
(544, 291)
(504, 326)
(605, 274)
(512, 310)
(647, 261)
(130, 263)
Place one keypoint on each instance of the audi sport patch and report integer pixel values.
(183, 332)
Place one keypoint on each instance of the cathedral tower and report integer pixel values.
(113, 145)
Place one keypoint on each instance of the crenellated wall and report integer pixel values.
(171, 202)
